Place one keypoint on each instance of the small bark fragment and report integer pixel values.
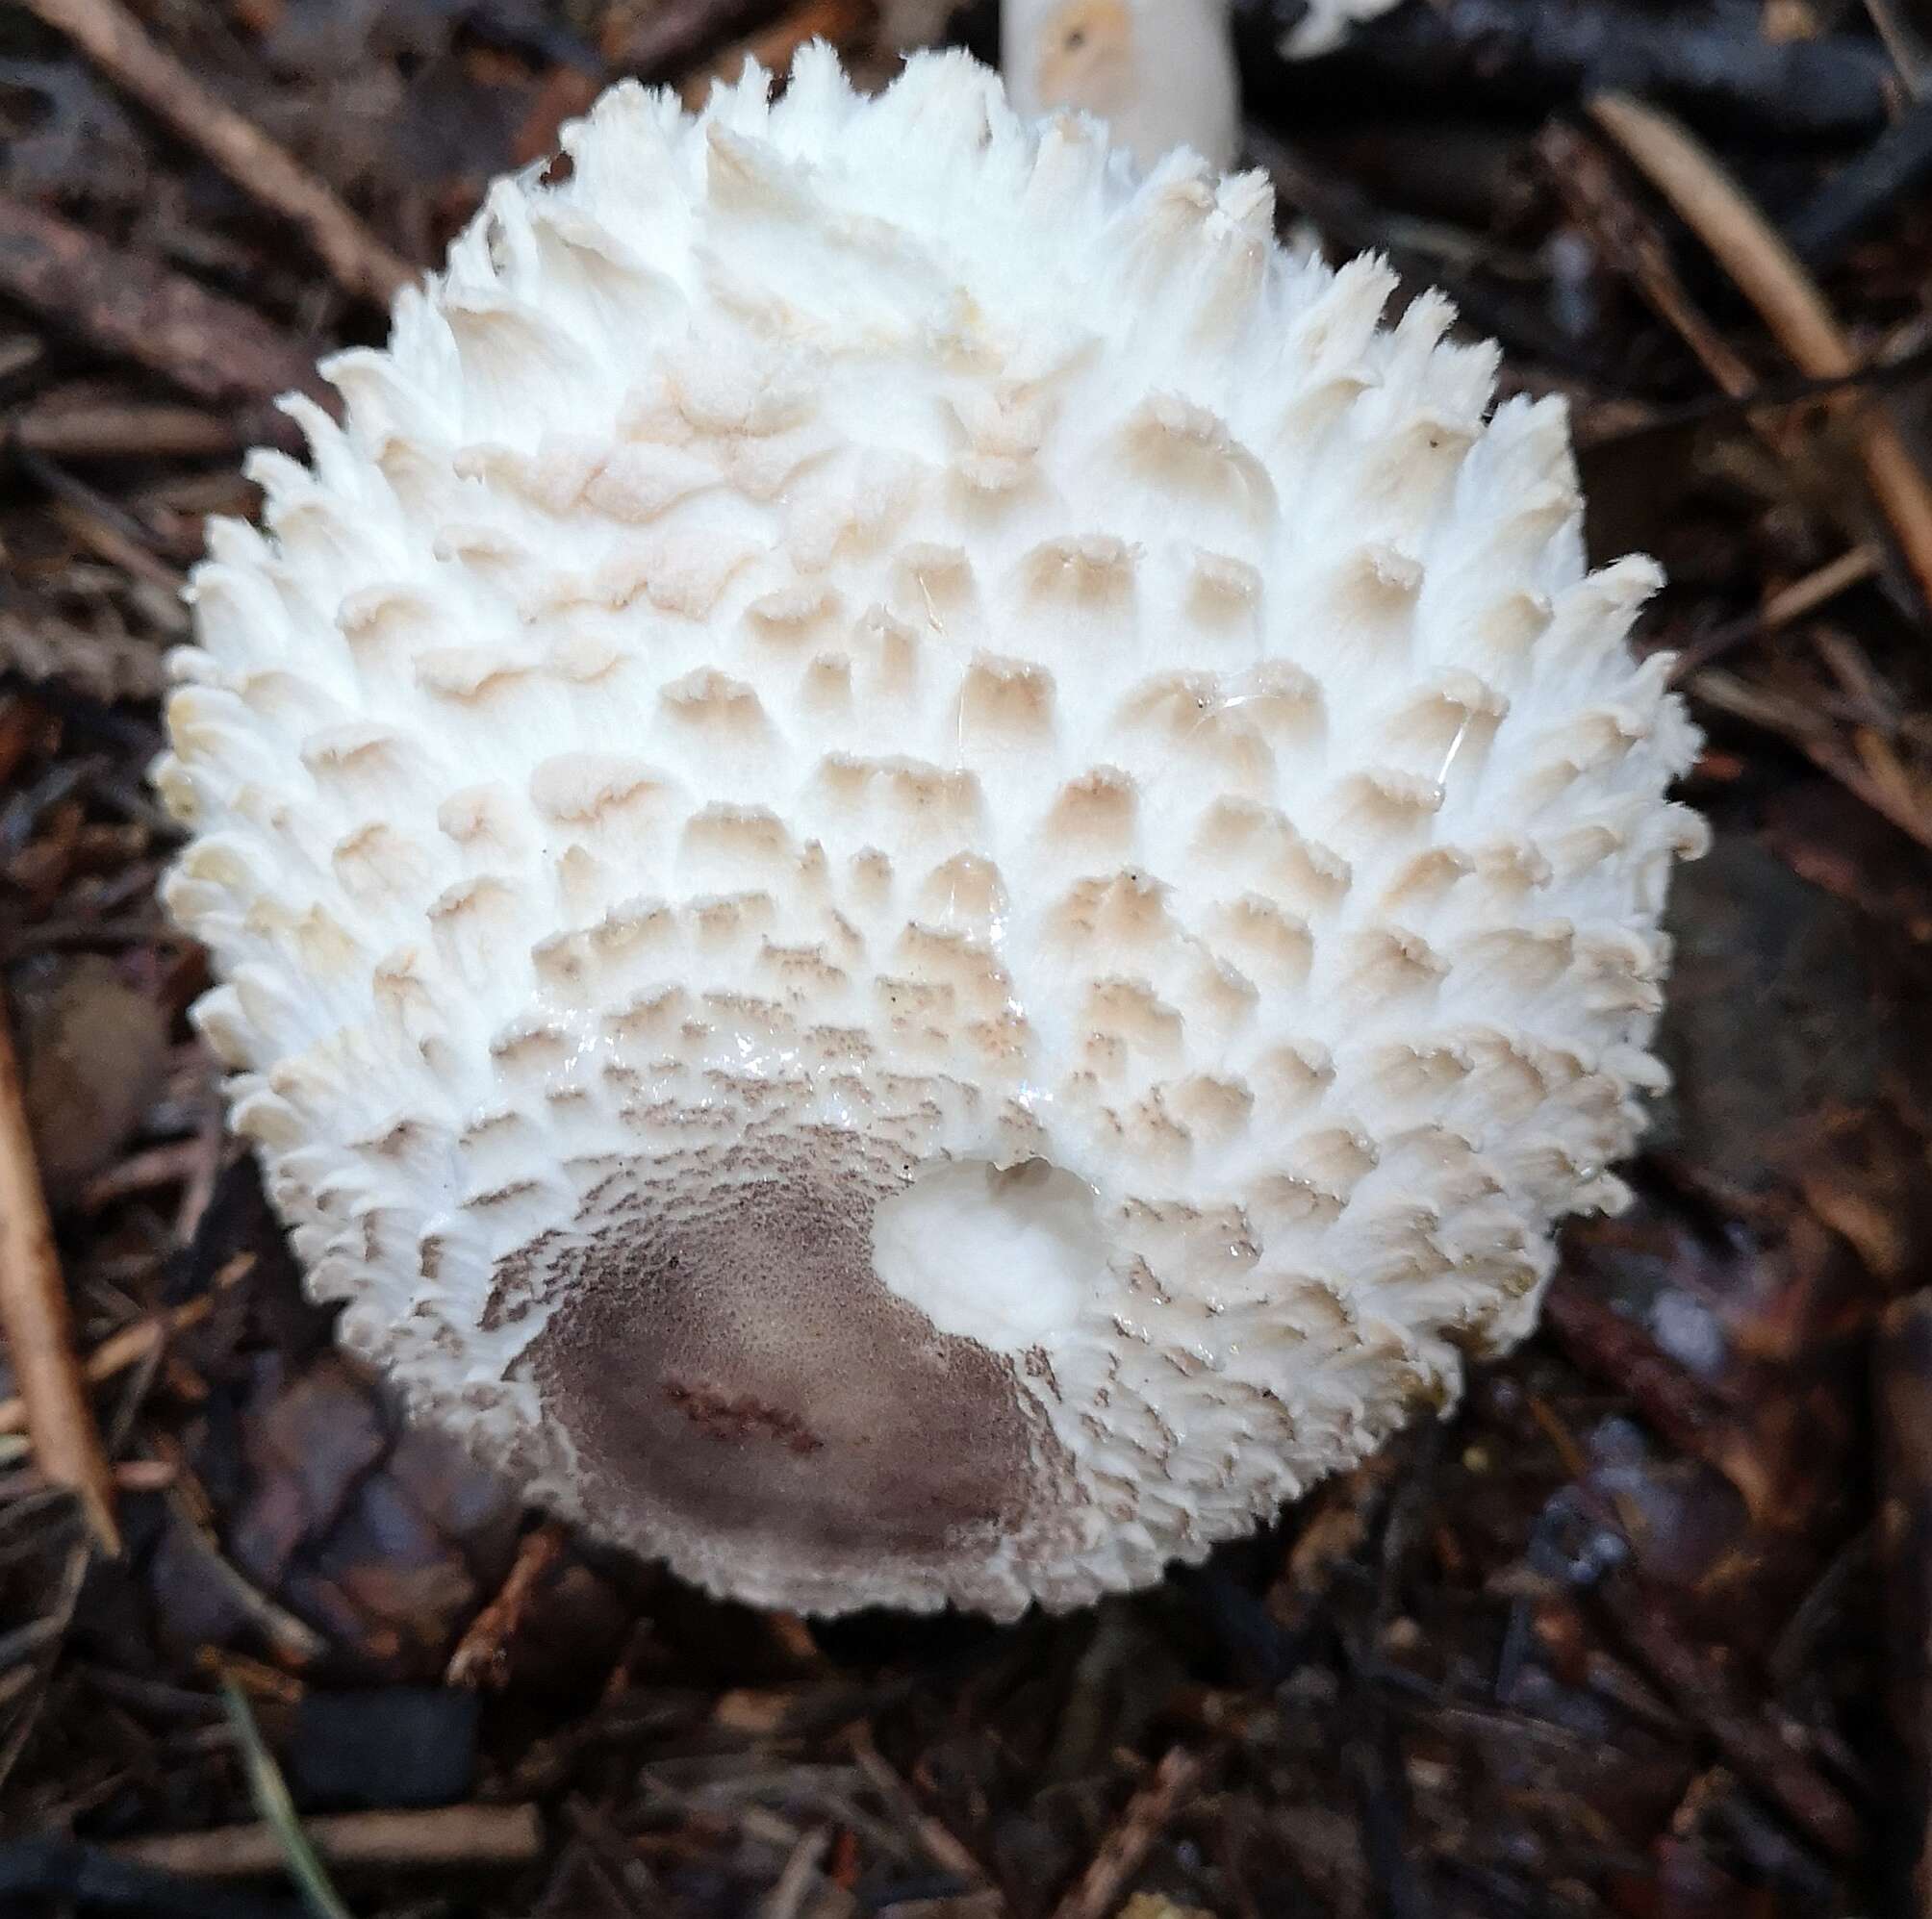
(38, 1320)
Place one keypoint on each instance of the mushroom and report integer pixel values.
(1160, 72)
(1323, 25)
(928, 876)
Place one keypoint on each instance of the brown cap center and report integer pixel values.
(738, 1384)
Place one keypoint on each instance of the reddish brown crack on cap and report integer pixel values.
(740, 1419)
(737, 1386)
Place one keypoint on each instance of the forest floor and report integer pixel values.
(1644, 1630)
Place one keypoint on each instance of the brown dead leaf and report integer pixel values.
(95, 1050)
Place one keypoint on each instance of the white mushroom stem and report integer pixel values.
(1160, 73)
(1327, 23)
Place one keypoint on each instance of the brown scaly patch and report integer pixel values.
(739, 1388)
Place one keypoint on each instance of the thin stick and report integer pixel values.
(1751, 1738)
(61, 1616)
(38, 1320)
(1124, 1850)
(1773, 278)
(1905, 43)
(482, 1655)
(450, 1835)
(786, 1899)
(197, 1192)
(943, 1846)
(133, 1343)
(1632, 243)
(121, 430)
(1806, 596)
(141, 1172)
(1866, 773)
(295, 1641)
(1788, 604)
(130, 1476)
(115, 42)
(133, 309)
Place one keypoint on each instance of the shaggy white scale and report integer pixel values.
(928, 875)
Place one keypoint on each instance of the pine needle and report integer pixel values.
(271, 1794)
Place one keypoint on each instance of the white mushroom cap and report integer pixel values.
(1160, 73)
(928, 877)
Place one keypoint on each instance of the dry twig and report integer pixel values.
(293, 1641)
(1751, 1740)
(1772, 278)
(38, 1320)
(121, 430)
(50, 1632)
(133, 1343)
(136, 309)
(450, 1835)
(362, 266)
(1124, 1850)
(1627, 239)
(1905, 41)
(1784, 608)
(482, 1656)
(787, 1899)
(1713, 60)
(130, 1476)
(943, 1846)
(143, 1172)
(1869, 769)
